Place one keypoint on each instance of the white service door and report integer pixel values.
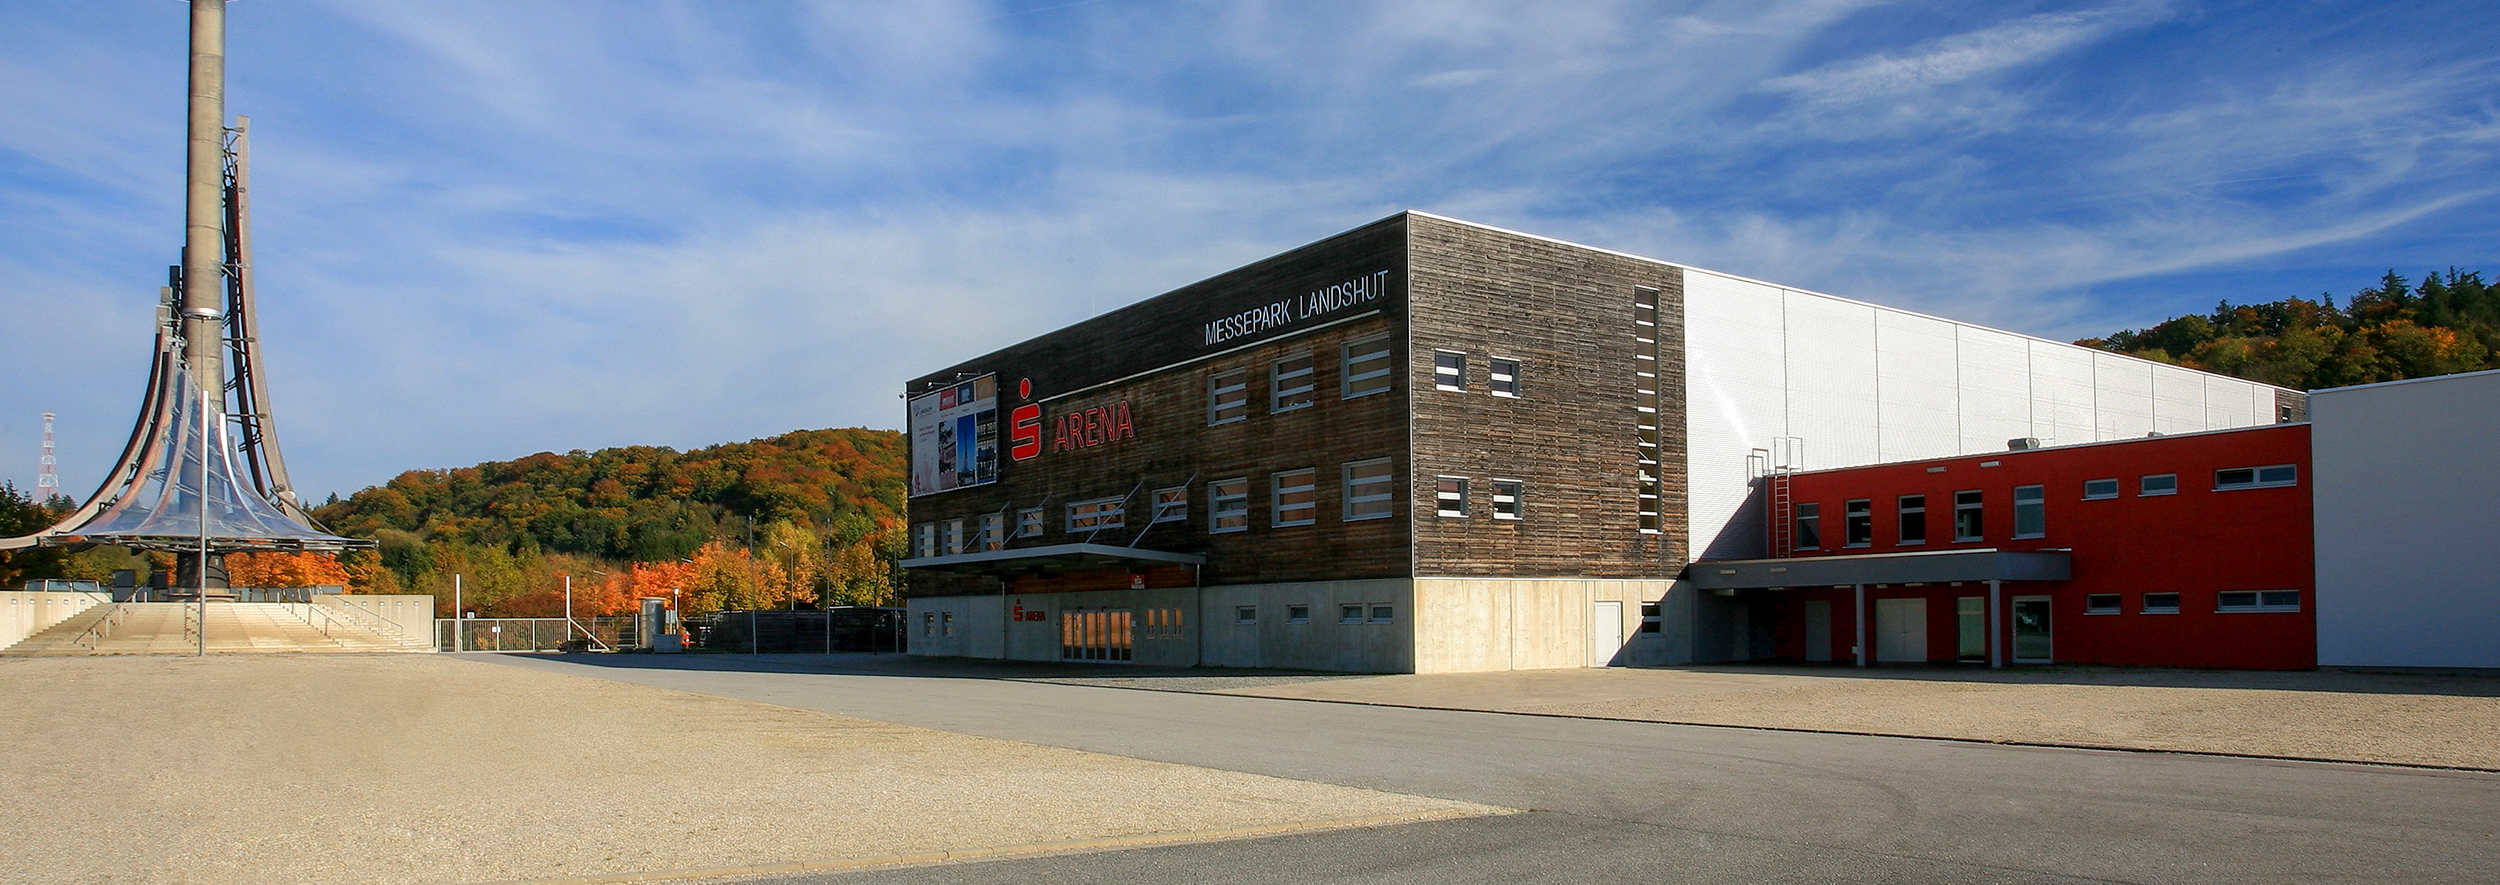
(1901, 630)
(1605, 632)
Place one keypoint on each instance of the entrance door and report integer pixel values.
(1972, 614)
(1605, 632)
(1818, 630)
(1108, 636)
(1901, 630)
(2031, 630)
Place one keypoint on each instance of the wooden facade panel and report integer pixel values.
(1565, 312)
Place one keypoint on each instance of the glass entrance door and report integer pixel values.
(1097, 636)
(1971, 615)
(2031, 630)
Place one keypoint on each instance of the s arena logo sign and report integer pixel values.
(1360, 290)
(1076, 429)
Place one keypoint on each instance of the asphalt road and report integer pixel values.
(1646, 802)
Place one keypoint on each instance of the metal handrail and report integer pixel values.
(95, 634)
(369, 620)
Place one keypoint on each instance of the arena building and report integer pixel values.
(1426, 445)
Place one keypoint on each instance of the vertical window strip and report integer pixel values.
(1651, 490)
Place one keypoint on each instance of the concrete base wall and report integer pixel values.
(1326, 640)
(1468, 625)
(24, 613)
(411, 614)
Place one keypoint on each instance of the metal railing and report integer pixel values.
(533, 634)
(102, 629)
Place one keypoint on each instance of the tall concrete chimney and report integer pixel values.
(204, 212)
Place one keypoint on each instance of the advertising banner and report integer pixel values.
(954, 436)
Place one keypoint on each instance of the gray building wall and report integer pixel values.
(2408, 522)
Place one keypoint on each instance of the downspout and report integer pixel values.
(1996, 624)
(1860, 626)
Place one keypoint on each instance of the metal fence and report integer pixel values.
(534, 634)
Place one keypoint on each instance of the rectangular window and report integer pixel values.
(1449, 370)
(1914, 519)
(1097, 514)
(1349, 614)
(1507, 498)
(1967, 522)
(1809, 523)
(1367, 368)
(951, 536)
(928, 623)
(1245, 614)
(1289, 383)
(1650, 621)
(1228, 505)
(1228, 396)
(1505, 377)
(2031, 511)
(2100, 604)
(2257, 601)
(993, 531)
(2157, 484)
(1297, 614)
(1370, 489)
(2256, 477)
(924, 540)
(1383, 614)
(1297, 497)
(946, 623)
(2161, 603)
(1450, 495)
(1172, 504)
(1029, 522)
(1860, 517)
(2096, 489)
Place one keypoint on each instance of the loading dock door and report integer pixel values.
(1901, 630)
(1605, 632)
(1818, 630)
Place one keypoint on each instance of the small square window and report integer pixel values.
(1349, 614)
(1507, 495)
(1505, 377)
(1245, 614)
(1172, 504)
(1367, 368)
(1969, 519)
(1228, 506)
(2161, 603)
(1382, 614)
(1029, 522)
(2255, 477)
(1297, 614)
(2096, 489)
(1296, 497)
(1858, 521)
(1449, 370)
(2257, 601)
(1809, 523)
(1228, 396)
(951, 536)
(1450, 495)
(993, 531)
(1289, 383)
(2157, 484)
(1097, 514)
(924, 540)
(1914, 519)
(2031, 511)
(2100, 604)
(1370, 489)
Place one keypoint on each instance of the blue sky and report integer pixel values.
(487, 229)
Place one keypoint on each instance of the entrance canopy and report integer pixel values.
(1051, 559)
(1922, 567)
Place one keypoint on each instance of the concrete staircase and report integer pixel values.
(155, 628)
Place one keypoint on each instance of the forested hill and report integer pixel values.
(2395, 330)
(822, 509)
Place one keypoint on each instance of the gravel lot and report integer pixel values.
(2410, 718)
(427, 768)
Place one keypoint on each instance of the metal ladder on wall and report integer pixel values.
(1776, 467)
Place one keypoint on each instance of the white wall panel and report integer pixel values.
(1831, 380)
(1916, 372)
(1996, 388)
(2061, 393)
(2124, 401)
(1736, 401)
(2178, 400)
(2405, 522)
(2226, 403)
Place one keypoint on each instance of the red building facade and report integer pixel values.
(2187, 551)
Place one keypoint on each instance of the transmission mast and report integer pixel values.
(47, 480)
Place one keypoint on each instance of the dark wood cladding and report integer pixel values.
(1174, 445)
(1167, 329)
(1565, 312)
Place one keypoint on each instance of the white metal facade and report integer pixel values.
(2405, 488)
(1857, 383)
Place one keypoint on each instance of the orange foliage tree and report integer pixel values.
(285, 570)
